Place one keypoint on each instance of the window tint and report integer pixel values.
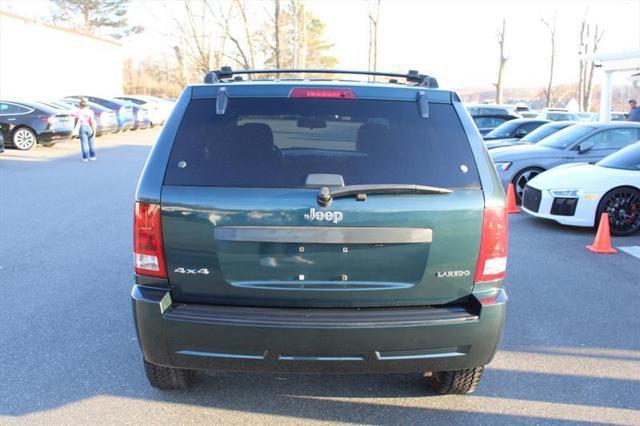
(504, 130)
(488, 110)
(528, 127)
(613, 138)
(566, 137)
(627, 158)
(541, 132)
(16, 109)
(135, 101)
(6, 108)
(488, 122)
(278, 142)
(561, 116)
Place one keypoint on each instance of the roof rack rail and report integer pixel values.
(413, 76)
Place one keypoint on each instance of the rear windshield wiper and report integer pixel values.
(326, 194)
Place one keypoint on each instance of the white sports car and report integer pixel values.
(578, 194)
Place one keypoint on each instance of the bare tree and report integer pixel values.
(588, 45)
(374, 18)
(551, 26)
(502, 63)
(224, 20)
(597, 36)
(276, 29)
(584, 48)
(194, 34)
(179, 73)
(302, 20)
(242, 8)
(295, 27)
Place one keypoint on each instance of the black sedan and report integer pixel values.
(514, 129)
(31, 123)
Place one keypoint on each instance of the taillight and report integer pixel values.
(49, 120)
(492, 260)
(148, 252)
(301, 92)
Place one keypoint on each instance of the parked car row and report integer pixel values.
(578, 143)
(566, 166)
(572, 172)
(25, 124)
(491, 116)
(578, 194)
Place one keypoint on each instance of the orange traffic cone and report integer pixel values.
(512, 207)
(602, 243)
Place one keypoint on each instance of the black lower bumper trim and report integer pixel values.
(318, 318)
(223, 338)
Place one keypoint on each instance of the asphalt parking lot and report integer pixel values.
(570, 353)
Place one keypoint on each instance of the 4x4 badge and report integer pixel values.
(328, 216)
(204, 271)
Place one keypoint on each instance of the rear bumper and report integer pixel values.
(142, 124)
(104, 129)
(316, 340)
(54, 135)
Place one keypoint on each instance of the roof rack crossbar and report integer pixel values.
(412, 76)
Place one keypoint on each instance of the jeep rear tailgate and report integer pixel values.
(258, 247)
(242, 223)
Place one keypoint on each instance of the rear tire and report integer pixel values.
(167, 377)
(24, 138)
(623, 206)
(456, 381)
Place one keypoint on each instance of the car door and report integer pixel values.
(606, 142)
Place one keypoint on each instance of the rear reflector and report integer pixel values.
(147, 241)
(492, 260)
(322, 93)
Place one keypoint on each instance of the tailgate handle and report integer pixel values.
(323, 234)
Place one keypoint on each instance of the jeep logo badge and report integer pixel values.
(334, 217)
(452, 274)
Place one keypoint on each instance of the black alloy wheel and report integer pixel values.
(623, 207)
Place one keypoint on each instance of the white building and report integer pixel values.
(40, 61)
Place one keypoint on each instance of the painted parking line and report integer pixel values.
(632, 250)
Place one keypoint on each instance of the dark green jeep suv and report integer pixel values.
(319, 225)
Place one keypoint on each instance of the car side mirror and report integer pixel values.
(584, 147)
(520, 133)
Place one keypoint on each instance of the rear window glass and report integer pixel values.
(278, 142)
